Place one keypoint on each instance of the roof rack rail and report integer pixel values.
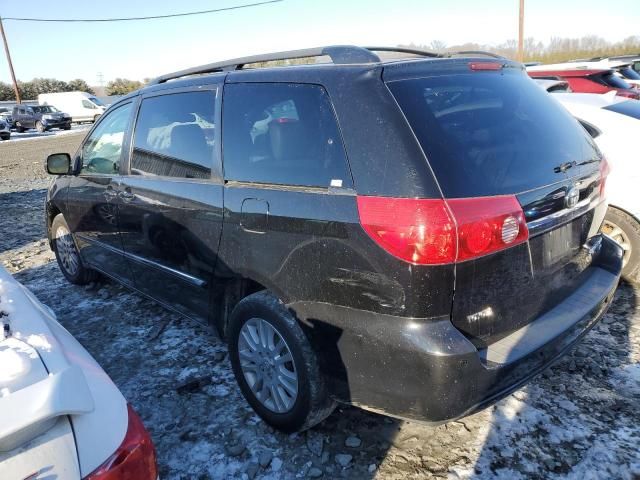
(414, 51)
(466, 53)
(339, 54)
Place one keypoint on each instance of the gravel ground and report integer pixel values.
(580, 419)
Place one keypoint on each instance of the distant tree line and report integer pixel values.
(557, 50)
(31, 90)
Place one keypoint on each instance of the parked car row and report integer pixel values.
(54, 110)
(594, 76)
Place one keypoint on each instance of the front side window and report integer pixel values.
(174, 136)
(285, 134)
(88, 104)
(101, 152)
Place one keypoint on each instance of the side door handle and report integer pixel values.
(110, 192)
(127, 195)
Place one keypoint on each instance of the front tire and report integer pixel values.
(5, 137)
(67, 254)
(40, 127)
(625, 230)
(275, 366)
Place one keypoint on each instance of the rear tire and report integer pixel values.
(67, 255)
(20, 128)
(625, 230)
(5, 137)
(263, 369)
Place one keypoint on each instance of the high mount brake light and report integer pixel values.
(479, 66)
(135, 458)
(437, 231)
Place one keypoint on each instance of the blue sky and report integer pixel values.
(145, 49)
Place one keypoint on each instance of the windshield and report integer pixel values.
(45, 109)
(630, 73)
(96, 101)
(491, 133)
(612, 80)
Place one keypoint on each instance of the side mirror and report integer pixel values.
(59, 164)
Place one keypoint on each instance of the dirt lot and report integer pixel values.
(580, 419)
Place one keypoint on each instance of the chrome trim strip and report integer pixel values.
(195, 281)
(544, 224)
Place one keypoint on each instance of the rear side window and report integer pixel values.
(282, 134)
(174, 136)
(488, 133)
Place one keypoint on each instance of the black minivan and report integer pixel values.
(417, 237)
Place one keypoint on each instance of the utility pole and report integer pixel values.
(521, 33)
(13, 75)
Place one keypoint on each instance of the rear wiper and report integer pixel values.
(564, 167)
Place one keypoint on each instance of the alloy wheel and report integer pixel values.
(67, 251)
(618, 234)
(267, 365)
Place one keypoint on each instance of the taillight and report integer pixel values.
(604, 173)
(419, 231)
(437, 231)
(487, 225)
(135, 458)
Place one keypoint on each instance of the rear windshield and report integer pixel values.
(612, 80)
(630, 73)
(630, 108)
(488, 133)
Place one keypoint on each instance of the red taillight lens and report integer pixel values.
(487, 225)
(436, 231)
(135, 458)
(419, 231)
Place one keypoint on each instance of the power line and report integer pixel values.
(128, 19)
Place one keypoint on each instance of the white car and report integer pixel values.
(614, 123)
(61, 417)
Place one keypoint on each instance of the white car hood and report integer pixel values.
(47, 379)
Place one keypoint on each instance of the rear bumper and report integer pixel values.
(426, 370)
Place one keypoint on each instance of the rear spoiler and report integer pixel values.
(31, 411)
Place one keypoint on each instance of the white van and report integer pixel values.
(82, 106)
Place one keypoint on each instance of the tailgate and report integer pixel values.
(500, 293)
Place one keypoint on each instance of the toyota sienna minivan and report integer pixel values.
(417, 237)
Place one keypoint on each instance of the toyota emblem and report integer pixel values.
(572, 197)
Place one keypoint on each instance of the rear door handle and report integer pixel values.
(127, 195)
(110, 192)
